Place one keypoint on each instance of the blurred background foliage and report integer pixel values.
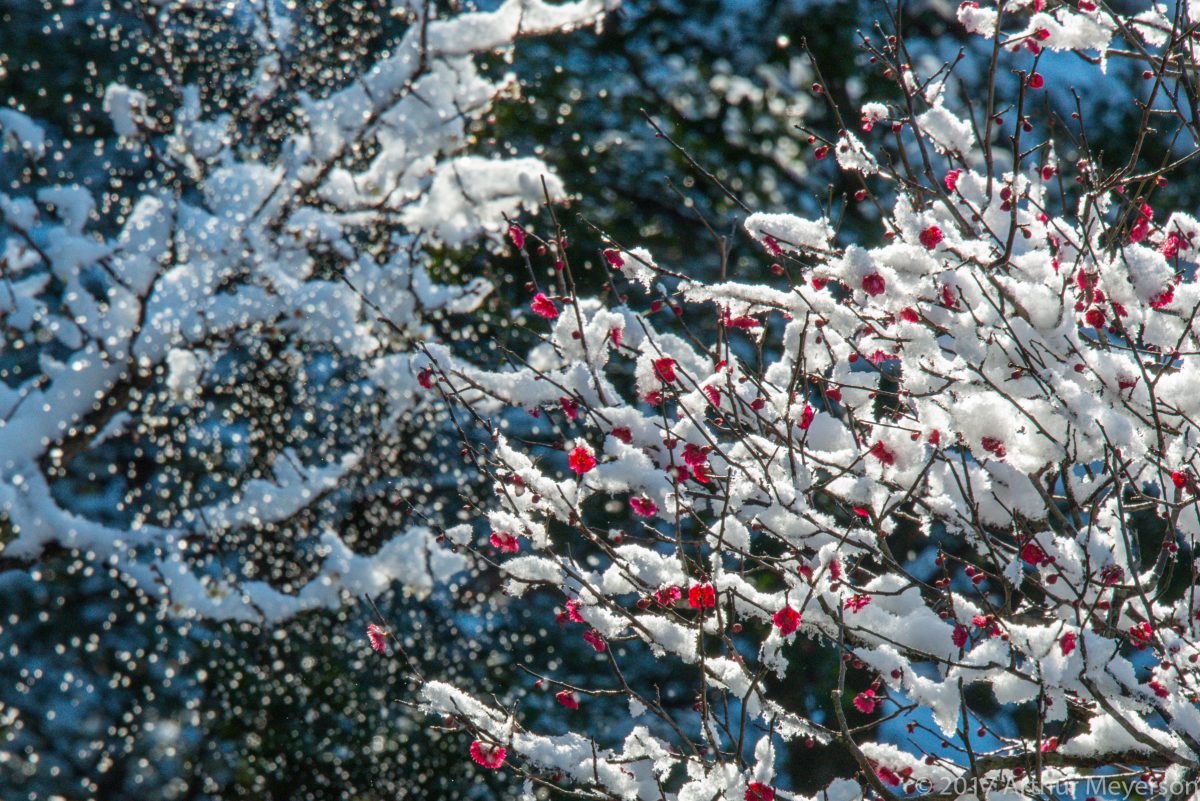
(103, 694)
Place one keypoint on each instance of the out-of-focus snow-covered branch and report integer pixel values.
(257, 241)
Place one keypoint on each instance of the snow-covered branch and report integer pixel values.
(310, 246)
(962, 458)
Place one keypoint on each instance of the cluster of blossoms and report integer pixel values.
(936, 456)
